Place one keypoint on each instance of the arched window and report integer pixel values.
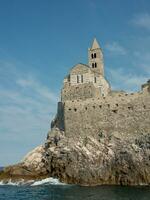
(94, 55)
(94, 79)
(81, 78)
(95, 65)
(77, 78)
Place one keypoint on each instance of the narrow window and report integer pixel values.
(94, 79)
(77, 79)
(95, 65)
(91, 55)
(81, 78)
(92, 65)
(94, 55)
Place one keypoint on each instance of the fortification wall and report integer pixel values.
(121, 113)
(80, 92)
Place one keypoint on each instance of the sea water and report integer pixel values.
(52, 189)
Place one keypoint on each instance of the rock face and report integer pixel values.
(34, 160)
(108, 159)
(32, 167)
(111, 159)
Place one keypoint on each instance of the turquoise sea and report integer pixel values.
(56, 191)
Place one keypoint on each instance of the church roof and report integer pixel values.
(80, 64)
(80, 67)
(95, 44)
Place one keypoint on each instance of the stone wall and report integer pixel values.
(121, 113)
(80, 92)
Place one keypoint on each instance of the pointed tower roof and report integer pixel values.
(95, 44)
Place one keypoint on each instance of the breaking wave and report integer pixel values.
(51, 181)
(46, 181)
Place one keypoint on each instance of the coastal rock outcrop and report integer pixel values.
(32, 167)
(109, 159)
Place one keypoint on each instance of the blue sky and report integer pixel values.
(41, 40)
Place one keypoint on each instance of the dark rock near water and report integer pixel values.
(95, 161)
(112, 159)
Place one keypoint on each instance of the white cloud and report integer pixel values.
(115, 48)
(26, 108)
(121, 80)
(142, 20)
(31, 83)
(142, 61)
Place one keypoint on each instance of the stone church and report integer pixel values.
(87, 81)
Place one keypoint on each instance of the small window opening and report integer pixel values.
(85, 108)
(94, 55)
(69, 108)
(81, 78)
(100, 106)
(77, 79)
(94, 79)
(95, 65)
(115, 111)
(130, 107)
(75, 109)
(91, 55)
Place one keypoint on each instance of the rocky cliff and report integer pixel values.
(109, 159)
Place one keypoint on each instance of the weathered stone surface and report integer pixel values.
(34, 160)
(106, 160)
(32, 167)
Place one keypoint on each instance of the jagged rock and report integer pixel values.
(94, 162)
(34, 160)
(108, 159)
(32, 167)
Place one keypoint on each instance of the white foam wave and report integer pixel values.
(1, 183)
(51, 181)
(18, 183)
(9, 183)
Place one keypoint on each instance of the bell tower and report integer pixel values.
(95, 56)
